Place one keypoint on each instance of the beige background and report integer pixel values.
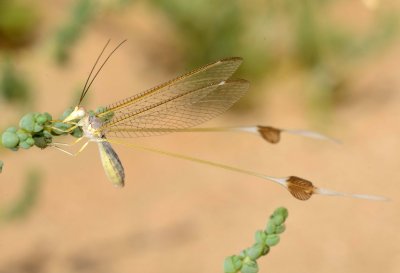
(177, 216)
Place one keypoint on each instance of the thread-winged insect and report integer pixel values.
(177, 106)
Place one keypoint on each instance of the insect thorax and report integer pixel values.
(90, 126)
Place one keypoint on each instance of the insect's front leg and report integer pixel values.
(68, 144)
(69, 153)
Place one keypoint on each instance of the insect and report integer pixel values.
(177, 106)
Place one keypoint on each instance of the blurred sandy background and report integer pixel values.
(177, 216)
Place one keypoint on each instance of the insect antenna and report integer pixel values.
(91, 71)
(87, 87)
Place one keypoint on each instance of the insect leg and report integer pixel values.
(69, 153)
(69, 144)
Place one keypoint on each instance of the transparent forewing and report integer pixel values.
(185, 111)
(209, 75)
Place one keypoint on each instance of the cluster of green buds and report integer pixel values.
(31, 126)
(37, 129)
(246, 261)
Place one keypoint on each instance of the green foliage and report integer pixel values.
(18, 23)
(9, 138)
(23, 205)
(37, 129)
(316, 38)
(327, 50)
(209, 29)
(246, 261)
(273, 33)
(213, 29)
(14, 88)
(67, 36)
(31, 127)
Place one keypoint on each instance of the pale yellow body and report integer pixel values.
(111, 164)
(109, 158)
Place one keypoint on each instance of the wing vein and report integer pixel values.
(183, 102)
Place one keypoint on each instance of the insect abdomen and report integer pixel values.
(111, 164)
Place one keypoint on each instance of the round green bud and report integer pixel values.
(37, 128)
(249, 267)
(41, 119)
(232, 264)
(255, 251)
(271, 227)
(27, 122)
(30, 141)
(280, 229)
(281, 211)
(47, 134)
(10, 140)
(48, 116)
(11, 129)
(22, 134)
(24, 145)
(272, 239)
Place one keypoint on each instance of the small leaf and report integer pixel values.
(266, 250)
(280, 229)
(77, 132)
(41, 119)
(256, 251)
(271, 227)
(30, 141)
(250, 267)
(37, 128)
(281, 211)
(260, 236)
(232, 264)
(277, 219)
(24, 145)
(272, 240)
